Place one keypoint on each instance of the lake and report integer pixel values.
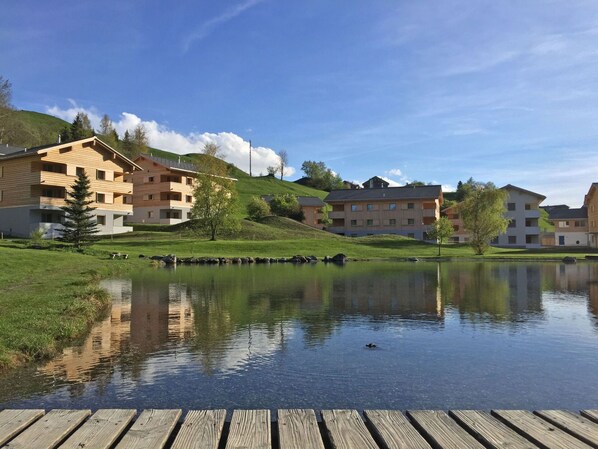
(447, 335)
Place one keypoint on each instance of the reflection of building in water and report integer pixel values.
(497, 290)
(142, 317)
(570, 277)
(410, 294)
(593, 292)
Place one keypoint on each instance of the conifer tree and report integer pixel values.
(80, 226)
(127, 145)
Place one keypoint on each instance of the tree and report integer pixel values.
(107, 132)
(80, 128)
(441, 230)
(215, 198)
(5, 93)
(127, 145)
(6, 109)
(80, 226)
(272, 170)
(283, 158)
(482, 212)
(258, 208)
(212, 149)
(139, 141)
(286, 205)
(320, 176)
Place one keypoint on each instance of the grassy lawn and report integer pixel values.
(51, 297)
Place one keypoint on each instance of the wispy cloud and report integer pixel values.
(234, 148)
(206, 28)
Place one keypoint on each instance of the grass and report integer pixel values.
(34, 128)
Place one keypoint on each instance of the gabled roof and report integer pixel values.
(5, 150)
(519, 189)
(43, 149)
(388, 193)
(563, 214)
(588, 196)
(304, 201)
(171, 164)
(375, 180)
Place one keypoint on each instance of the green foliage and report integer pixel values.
(108, 134)
(440, 231)
(482, 212)
(126, 145)
(286, 205)
(257, 208)
(321, 177)
(80, 227)
(283, 158)
(80, 128)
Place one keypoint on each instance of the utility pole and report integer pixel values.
(249, 157)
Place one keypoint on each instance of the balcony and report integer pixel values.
(336, 214)
(532, 213)
(429, 213)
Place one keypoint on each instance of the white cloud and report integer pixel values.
(391, 182)
(234, 148)
(394, 172)
(448, 188)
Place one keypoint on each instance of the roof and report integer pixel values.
(377, 180)
(529, 192)
(588, 196)
(24, 152)
(171, 164)
(7, 149)
(304, 201)
(561, 213)
(388, 193)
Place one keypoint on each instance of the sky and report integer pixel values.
(430, 90)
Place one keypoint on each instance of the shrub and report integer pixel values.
(258, 208)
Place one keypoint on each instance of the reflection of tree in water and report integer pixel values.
(489, 291)
(593, 293)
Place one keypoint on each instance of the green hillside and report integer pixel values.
(30, 129)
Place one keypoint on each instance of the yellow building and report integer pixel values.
(34, 183)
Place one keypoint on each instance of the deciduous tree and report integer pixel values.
(139, 141)
(80, 226)
(258, 208)
(283, 158)
(440, 231)
(286, 205)
(482, 212)
(320, 176)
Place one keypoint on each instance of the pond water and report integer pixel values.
(450, 335)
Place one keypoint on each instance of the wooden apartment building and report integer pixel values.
(34, 184)
(407, 211)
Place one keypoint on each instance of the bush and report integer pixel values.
(258, 208)
(286, 205)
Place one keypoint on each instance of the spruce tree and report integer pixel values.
(80, 226)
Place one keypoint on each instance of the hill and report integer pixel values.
(30, 129)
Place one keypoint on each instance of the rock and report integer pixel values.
(569, 260)
(413, 259)
(339, 258)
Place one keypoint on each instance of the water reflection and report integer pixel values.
(226, 322)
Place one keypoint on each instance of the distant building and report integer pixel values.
(570, 226)
(312, 208)
(376, 183)
(351, 185)
(591, 203)
(407, 211)
(34, 183)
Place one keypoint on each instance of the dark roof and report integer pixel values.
(375, 180)
(6, 150)
(169, 163)
(561, 213)
(303, 181)
(512, 187)
(388, 193)
(304, 201)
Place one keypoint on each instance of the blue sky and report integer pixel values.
(431, 90)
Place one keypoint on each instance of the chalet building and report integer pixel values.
(570, 226)
(312, 208)
(591, 203)
(523, 211)
(163, 190)
(407, 211)
(34, 183)
(375, 183)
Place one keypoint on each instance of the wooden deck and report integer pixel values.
(298, 429)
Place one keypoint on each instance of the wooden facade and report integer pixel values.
(34, 184)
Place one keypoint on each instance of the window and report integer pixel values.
(512, 240)
(46, 217)
(54, 168)
(188, 198)
(150, 214)
(370, 207)
(1, 196)
(189, 215)
(79, 171)
(455, 228)
(354, 207)
(101, 219)
(392, 206)
(100, 197)
(528, 206)
(369, 222)
(1, 171)
(454, 239)
(392, 222)
(173, 214)
(494, 241)
(455, 216)
(150, 179)
(410, 205)
(513, 224)
(580, 223)
(100, 174)
(563, 224)
(189, 181)
(511, 206)
(411, 221)
(353, 222)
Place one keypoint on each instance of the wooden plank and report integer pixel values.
(445, 433)
(538, 431)
(101, 430)
(151, 430)
(12, 422)
(298, 429)
(50, 430)
(249, 429)
(578, 426)
(590, 414)
(394, 429)
(492, 432)
(202, 429)
(347, 430)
